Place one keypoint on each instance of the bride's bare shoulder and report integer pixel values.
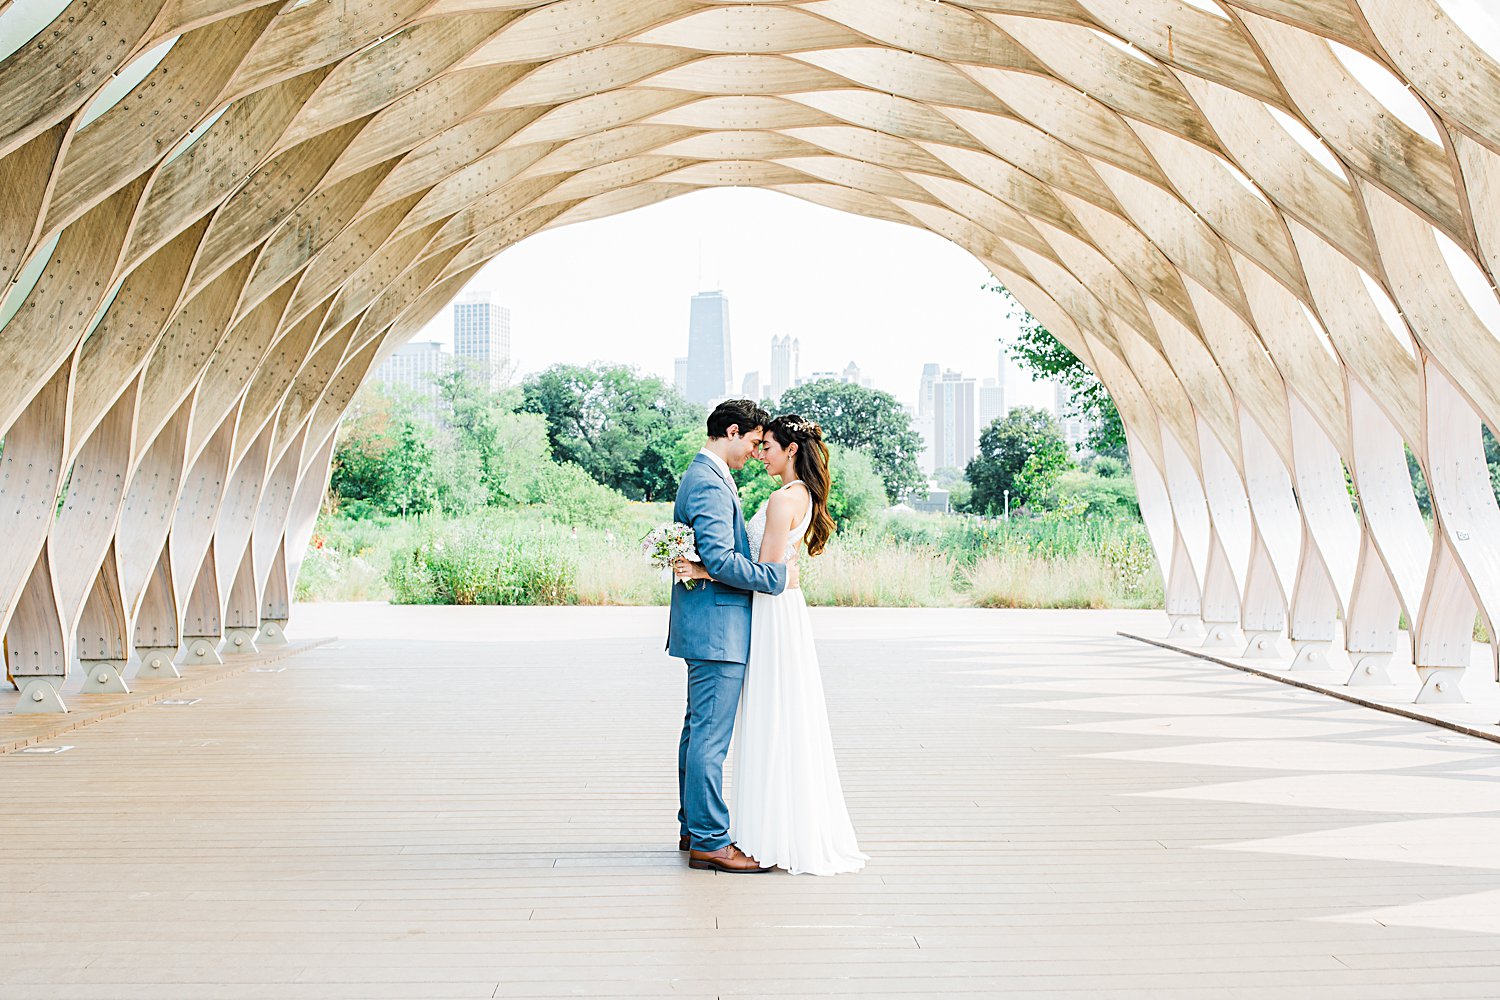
(788, 502)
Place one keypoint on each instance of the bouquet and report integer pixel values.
(667, 543)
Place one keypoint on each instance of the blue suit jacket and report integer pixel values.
(712, 621)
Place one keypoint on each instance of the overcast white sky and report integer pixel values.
(888, 297)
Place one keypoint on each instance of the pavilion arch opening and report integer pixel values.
(1138, 178)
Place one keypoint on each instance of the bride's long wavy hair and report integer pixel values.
(811, 465)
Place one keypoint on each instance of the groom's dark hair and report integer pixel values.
(745, 413)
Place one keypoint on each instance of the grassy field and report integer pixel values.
(519, 556)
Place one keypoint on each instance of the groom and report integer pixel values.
(710, 628)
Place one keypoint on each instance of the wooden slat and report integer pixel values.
(1051, 811)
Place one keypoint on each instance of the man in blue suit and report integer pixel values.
(710, 629)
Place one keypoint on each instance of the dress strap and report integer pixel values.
(807, 516)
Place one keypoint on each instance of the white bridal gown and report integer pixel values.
(788, 805)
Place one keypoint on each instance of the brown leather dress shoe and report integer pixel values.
(683, 844)
(728, 859)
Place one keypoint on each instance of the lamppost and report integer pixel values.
(1007, 505)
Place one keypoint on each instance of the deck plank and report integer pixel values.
(489, 812)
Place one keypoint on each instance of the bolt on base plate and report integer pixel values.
(38, 695)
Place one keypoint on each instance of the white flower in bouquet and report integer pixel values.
(667, 543)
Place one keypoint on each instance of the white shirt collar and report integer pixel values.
(723, 465)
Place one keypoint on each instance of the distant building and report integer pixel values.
(1074, 428)
(784, 360)
(679, 375)
(991, 402)
(953, 433)
(927, 460)
(750, 387)
(481, 337)
(415, 366)
(925, 388)
(708, 361)
(936, 501)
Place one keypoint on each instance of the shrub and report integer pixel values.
(858, 493)
(569, 496)
(1093, 494)
(1108, 467)
(410, 580)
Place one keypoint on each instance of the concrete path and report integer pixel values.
(465, 803)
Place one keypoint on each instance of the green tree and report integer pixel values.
(361, 471)
(687, 444)
(520, 449)
(570, 495)
(383, 461)
(458, 479)
(1041, 353)
(471, 414)
(412, 489)
(857, 493)
(1094, 494)
(867, 419)
(1023, 452)
(621, 427)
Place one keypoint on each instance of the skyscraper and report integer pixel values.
(784, 375)
(481, 337)
(924, 389)
(991, 402)
(416, 366)
(709, 368)
(679, 375)
(992, 397)
(1074, 428)
(953, 430)
(750, 387)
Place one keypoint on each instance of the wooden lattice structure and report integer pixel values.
(217, 216)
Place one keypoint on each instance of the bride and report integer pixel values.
(787, 803)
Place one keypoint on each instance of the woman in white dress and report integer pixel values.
(787, 803)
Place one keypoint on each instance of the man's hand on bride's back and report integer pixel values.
(793, 578)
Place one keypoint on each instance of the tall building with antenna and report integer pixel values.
(709, 366)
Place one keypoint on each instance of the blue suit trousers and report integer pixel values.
(713, 698)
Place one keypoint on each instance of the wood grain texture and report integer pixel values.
(1214, 211)
(1051, 810)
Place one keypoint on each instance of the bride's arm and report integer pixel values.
(786, 507)
(779, 517)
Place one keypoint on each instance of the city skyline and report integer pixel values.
(846, 288)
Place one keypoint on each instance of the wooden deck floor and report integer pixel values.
(470, 803)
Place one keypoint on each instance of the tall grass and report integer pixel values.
(520, 556)
(1027, 582)
(880, 577)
